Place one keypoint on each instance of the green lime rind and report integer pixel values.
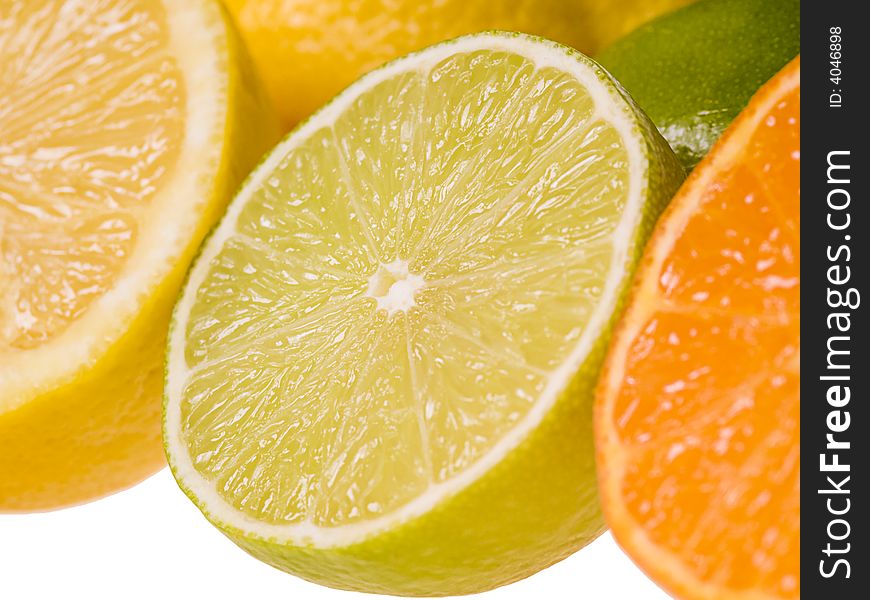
(538, 505)
(695, 69)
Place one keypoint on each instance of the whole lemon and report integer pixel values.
(309, 50)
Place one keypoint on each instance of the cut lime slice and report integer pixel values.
(380, 371)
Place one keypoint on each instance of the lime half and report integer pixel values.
(380, 371)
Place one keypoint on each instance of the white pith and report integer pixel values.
(398, 295)
(198, 39)
(607, 107)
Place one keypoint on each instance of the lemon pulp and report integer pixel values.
(88, 135)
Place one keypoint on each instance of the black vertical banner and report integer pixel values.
(835, 228)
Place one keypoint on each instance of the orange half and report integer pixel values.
(698, 410)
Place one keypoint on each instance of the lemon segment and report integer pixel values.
(402, 294)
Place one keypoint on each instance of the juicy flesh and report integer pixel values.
(398, 291)
(708, 413)
(91, 115)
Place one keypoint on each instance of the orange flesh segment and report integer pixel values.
(702, 430)
(91, 116)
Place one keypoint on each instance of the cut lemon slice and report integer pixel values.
(380, 370)
(120, 140)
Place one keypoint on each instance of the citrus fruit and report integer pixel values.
(698, 411)
(380, 371)
(124, 127)
(695, 69)
(309, 50)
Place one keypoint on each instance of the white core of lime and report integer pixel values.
(394, 287)
(242, 450)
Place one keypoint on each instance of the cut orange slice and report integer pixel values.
(698, 410)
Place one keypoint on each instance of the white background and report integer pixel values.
(151, 542)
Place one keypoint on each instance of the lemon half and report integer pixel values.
(124, 128)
